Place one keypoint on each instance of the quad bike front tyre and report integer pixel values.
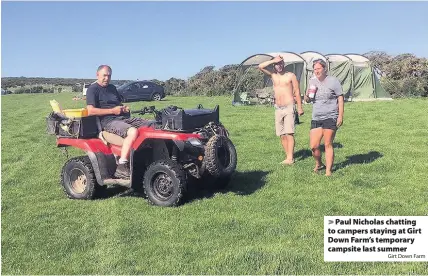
(78, 178)
(220, 156)
(164, 183)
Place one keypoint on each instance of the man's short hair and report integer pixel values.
(104, 66)
(321, 62)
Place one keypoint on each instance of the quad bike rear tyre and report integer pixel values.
(164, 183)
(78, 178)
(220, 156)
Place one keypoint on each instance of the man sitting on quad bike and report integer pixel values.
(103, 100)
(181, 146)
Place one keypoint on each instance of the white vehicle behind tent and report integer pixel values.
(85, 87)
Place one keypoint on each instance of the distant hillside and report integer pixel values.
(8, 82)
(403, 75)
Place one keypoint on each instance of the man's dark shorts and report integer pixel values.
(120, 127)
(325, 124)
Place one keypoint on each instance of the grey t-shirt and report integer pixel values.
(325, 104)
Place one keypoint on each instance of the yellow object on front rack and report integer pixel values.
(70, 113)
(76, 113)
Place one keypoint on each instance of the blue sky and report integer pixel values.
(148, 40)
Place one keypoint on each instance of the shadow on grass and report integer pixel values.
(241, 183)
(358, 159)
(114, 191)
(305, 153)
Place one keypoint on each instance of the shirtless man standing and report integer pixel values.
(286, 91)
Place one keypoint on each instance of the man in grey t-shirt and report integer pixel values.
(327, 114)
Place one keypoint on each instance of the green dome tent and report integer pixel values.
(365, 81)
(340, 66)
(358, 77)
(293, 63)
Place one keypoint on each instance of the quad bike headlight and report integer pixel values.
(194, 142)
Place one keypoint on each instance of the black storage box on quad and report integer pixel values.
(178, 119)
(51, 125)
(85, 127)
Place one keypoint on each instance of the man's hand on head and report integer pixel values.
(278, 59)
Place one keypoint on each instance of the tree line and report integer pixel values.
(403, 75)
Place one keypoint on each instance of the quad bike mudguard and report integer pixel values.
(150, 133)
(101, 157)
(144, 133)
(88, 145)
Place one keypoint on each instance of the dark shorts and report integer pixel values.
(120, 127)
(325, 124)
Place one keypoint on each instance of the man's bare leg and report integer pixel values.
(315, 137)
(123, 169)
(131, 136)
(284, 143)
(290, 148)
(287, 141)
(329, 150)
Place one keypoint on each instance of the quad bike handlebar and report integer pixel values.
(144, 110)
(157, 113)
(200, 120)
(150, 110)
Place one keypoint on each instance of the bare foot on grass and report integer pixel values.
(319, 167)
(287, 162)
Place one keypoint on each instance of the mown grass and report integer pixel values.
(268, 221)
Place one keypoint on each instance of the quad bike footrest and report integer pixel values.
(117, 181)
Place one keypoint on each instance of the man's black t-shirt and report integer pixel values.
(104, 97)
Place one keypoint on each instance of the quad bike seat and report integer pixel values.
(109, 138)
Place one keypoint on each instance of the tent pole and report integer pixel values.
(241, 77)
(238, 76)
(374, 82)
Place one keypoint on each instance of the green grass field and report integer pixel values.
(268, 221)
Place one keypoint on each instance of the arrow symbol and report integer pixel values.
(330, 221)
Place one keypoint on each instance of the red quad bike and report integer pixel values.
(178, 146)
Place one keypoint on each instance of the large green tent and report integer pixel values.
(365, 81)
(355, 72)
